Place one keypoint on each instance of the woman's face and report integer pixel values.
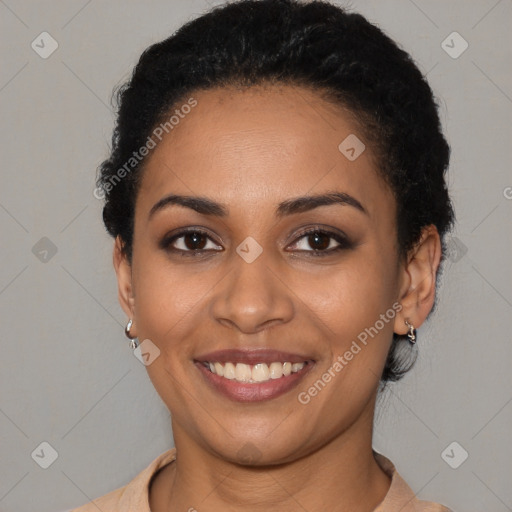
(259, 287)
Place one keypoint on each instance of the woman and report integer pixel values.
(277, 195)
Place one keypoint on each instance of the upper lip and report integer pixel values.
(251, 356)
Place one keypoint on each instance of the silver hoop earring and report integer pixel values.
(134, 342)
(412, 333)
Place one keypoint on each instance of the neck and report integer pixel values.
(340, 476)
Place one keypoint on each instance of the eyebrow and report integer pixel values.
(206, 206)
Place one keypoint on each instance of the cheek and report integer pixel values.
(166, 299)
(353, 297)
(358, 310)
(166, 296)
(166, 303)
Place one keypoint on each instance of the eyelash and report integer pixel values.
(343, 241)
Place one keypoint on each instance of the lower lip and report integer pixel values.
(253, 392)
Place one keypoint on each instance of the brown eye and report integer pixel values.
(191, 241)
(194, 240)
(320, 242)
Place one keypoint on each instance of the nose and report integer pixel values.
(253, 296)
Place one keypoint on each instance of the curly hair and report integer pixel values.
(338, 54)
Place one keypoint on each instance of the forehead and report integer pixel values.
(251, 148)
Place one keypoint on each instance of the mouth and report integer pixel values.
(253, 375)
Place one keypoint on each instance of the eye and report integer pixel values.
(323, 242)
(189, 242)
(195, 241)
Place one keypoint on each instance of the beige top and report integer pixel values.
(134, 497)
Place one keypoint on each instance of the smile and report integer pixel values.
(253, 375)
(260, 372)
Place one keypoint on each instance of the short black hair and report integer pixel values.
(314, 44)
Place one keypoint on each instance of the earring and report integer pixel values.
(134, 342)
(412, 333)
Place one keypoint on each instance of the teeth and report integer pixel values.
(297, 366)
(243, 372)
(229, 371)
(261, 372)
(219, 369)
(276, 370)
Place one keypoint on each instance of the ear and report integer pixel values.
(418, 287)
(124, 281)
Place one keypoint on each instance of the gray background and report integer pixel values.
(67, 375)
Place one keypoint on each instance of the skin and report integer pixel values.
(251, 149)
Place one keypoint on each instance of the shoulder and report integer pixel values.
(430, 506)
(400, 496)
(134, 495)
